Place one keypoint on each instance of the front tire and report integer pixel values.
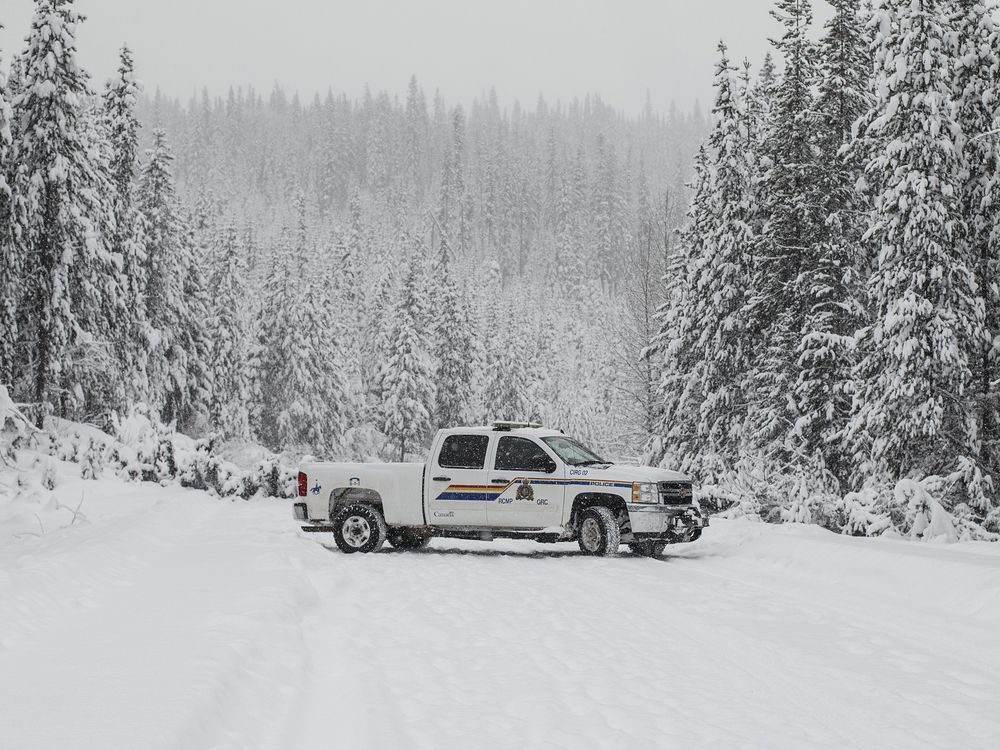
(599, 532)
(359, 528)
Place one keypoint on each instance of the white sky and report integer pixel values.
(617, 48)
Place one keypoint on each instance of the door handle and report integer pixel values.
(499, 481)
(442, 479)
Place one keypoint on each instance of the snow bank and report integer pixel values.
(35, 462)
(931, 508)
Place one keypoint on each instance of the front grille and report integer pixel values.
(675, 493)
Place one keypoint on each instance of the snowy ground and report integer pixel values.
(168, 619)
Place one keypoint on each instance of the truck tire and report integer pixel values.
(599, 532)
(359, 528)
(406, 540)
(648, 548)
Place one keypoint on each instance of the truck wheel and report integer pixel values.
(599, 532)
(407, 540)
(359, 528)
(648, 548)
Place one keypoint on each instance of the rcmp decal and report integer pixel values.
(525, 491)
(315, 489)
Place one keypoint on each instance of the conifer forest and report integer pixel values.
(792, 295)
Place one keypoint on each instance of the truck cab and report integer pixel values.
(506, 480)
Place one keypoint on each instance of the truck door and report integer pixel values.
(531, 495)
(457, 491)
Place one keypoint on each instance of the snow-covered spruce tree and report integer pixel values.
(193, 395)
(71, 292)
(832, 282)
(9, 265)
(274, 355)
(454, 347)
(230, 342)
(912, 415)
(703, 341)
(453, 206)
(643, 297)
(417, 125)
(166, 262)
(611, 234)
(407, 383)
(783, 261)
(128, 238)
(299, 383)
(975, 47)
(508, 377)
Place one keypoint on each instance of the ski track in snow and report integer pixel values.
(174, 620)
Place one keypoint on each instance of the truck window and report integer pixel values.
(463, 452)
(521, 454)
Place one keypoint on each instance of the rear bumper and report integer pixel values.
(664, 522)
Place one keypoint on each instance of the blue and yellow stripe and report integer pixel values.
(489, 493)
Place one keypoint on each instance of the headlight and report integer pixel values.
(645, 492)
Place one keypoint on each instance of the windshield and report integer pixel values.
(572, 452)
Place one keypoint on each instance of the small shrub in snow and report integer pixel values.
(928, 518)
(863, 515)
(92, 461)
(48, 474)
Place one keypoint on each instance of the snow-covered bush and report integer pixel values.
(143, 449)
(863, 514)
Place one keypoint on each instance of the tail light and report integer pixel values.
(303, 484)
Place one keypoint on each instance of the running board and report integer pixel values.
(315, 529)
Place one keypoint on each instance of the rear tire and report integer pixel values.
(359, 528)
(648, 548)
(405, 540)
(599, 532)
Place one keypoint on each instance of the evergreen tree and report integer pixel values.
(976, 91)
(300, 390)
(170, 307)
(454, 348)
(275, 353)
(407, 381)
(639, 383)
(9, 267)
(791, 220)
(61, 220)
(911, 411)
(704, 335)
(194, 384)
(128, 238)
(832, 283)
(230, 343)
(611, 233)
(676, 349)
(507, 390)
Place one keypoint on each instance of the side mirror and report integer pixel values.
(549, 466)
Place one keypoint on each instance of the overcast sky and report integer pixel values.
(617, 48)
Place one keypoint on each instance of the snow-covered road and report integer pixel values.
(173, 620)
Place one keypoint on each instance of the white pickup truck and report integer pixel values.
(511, 480)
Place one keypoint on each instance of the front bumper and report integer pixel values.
(664, 521)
